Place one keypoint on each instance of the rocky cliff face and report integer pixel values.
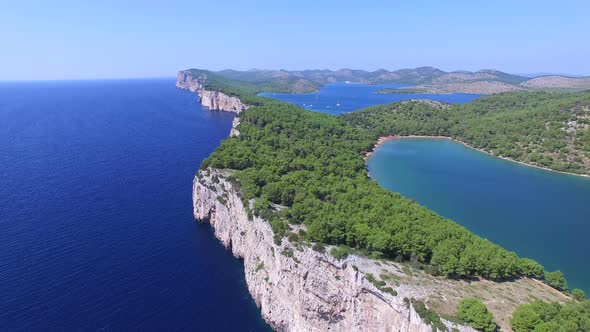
(213, 100)
(234, 127)
(298, 288)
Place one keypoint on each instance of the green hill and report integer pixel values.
(546, 129)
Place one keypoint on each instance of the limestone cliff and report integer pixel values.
(213, 100)
(298, 288)
(234, 127)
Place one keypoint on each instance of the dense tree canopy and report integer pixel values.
(311, 163)
(578, 294)
(556, 280)
(539, 316)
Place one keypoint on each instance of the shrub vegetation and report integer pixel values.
(474, 312)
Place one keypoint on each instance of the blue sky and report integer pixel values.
(128, 39)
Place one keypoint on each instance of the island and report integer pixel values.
(422, 80)
(326, 248)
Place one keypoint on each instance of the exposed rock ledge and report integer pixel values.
(296, 287)
(234, 127)
(213, 100)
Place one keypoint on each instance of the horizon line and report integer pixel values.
(48, 80)
(523, 74)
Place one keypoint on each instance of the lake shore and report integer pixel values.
(384, 139)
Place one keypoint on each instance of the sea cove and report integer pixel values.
(342, 97)
(536, 213)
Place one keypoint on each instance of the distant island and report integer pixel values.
(423, 79)
(492, 81)
(325, 247)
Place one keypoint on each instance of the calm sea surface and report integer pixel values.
(536, 213)
(96, 226)
(338, 98)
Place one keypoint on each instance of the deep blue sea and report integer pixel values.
(338, 98)
(536, 213)
(96, 226)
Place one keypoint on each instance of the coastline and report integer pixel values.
(384, 139)
(304, 289)
(298, 288)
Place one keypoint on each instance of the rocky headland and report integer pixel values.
(296, 287)
(301, 286)
(213, 100)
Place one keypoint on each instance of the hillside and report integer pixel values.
(426, 79)
(545, 129)
(557, 82)
(475, 87)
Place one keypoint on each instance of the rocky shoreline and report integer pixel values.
(213, 100)
(296, 287)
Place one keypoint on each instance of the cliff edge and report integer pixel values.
(213, 100)
(296, 287)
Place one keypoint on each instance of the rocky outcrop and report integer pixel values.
(295, 287)
(213, 100)
(234, 127)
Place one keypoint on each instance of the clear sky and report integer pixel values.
(126, 39)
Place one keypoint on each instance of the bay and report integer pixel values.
(536, 213)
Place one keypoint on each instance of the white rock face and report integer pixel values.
(295, 287)
(234, 127)
(213, 100)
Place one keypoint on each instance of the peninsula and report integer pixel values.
(324, 247)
